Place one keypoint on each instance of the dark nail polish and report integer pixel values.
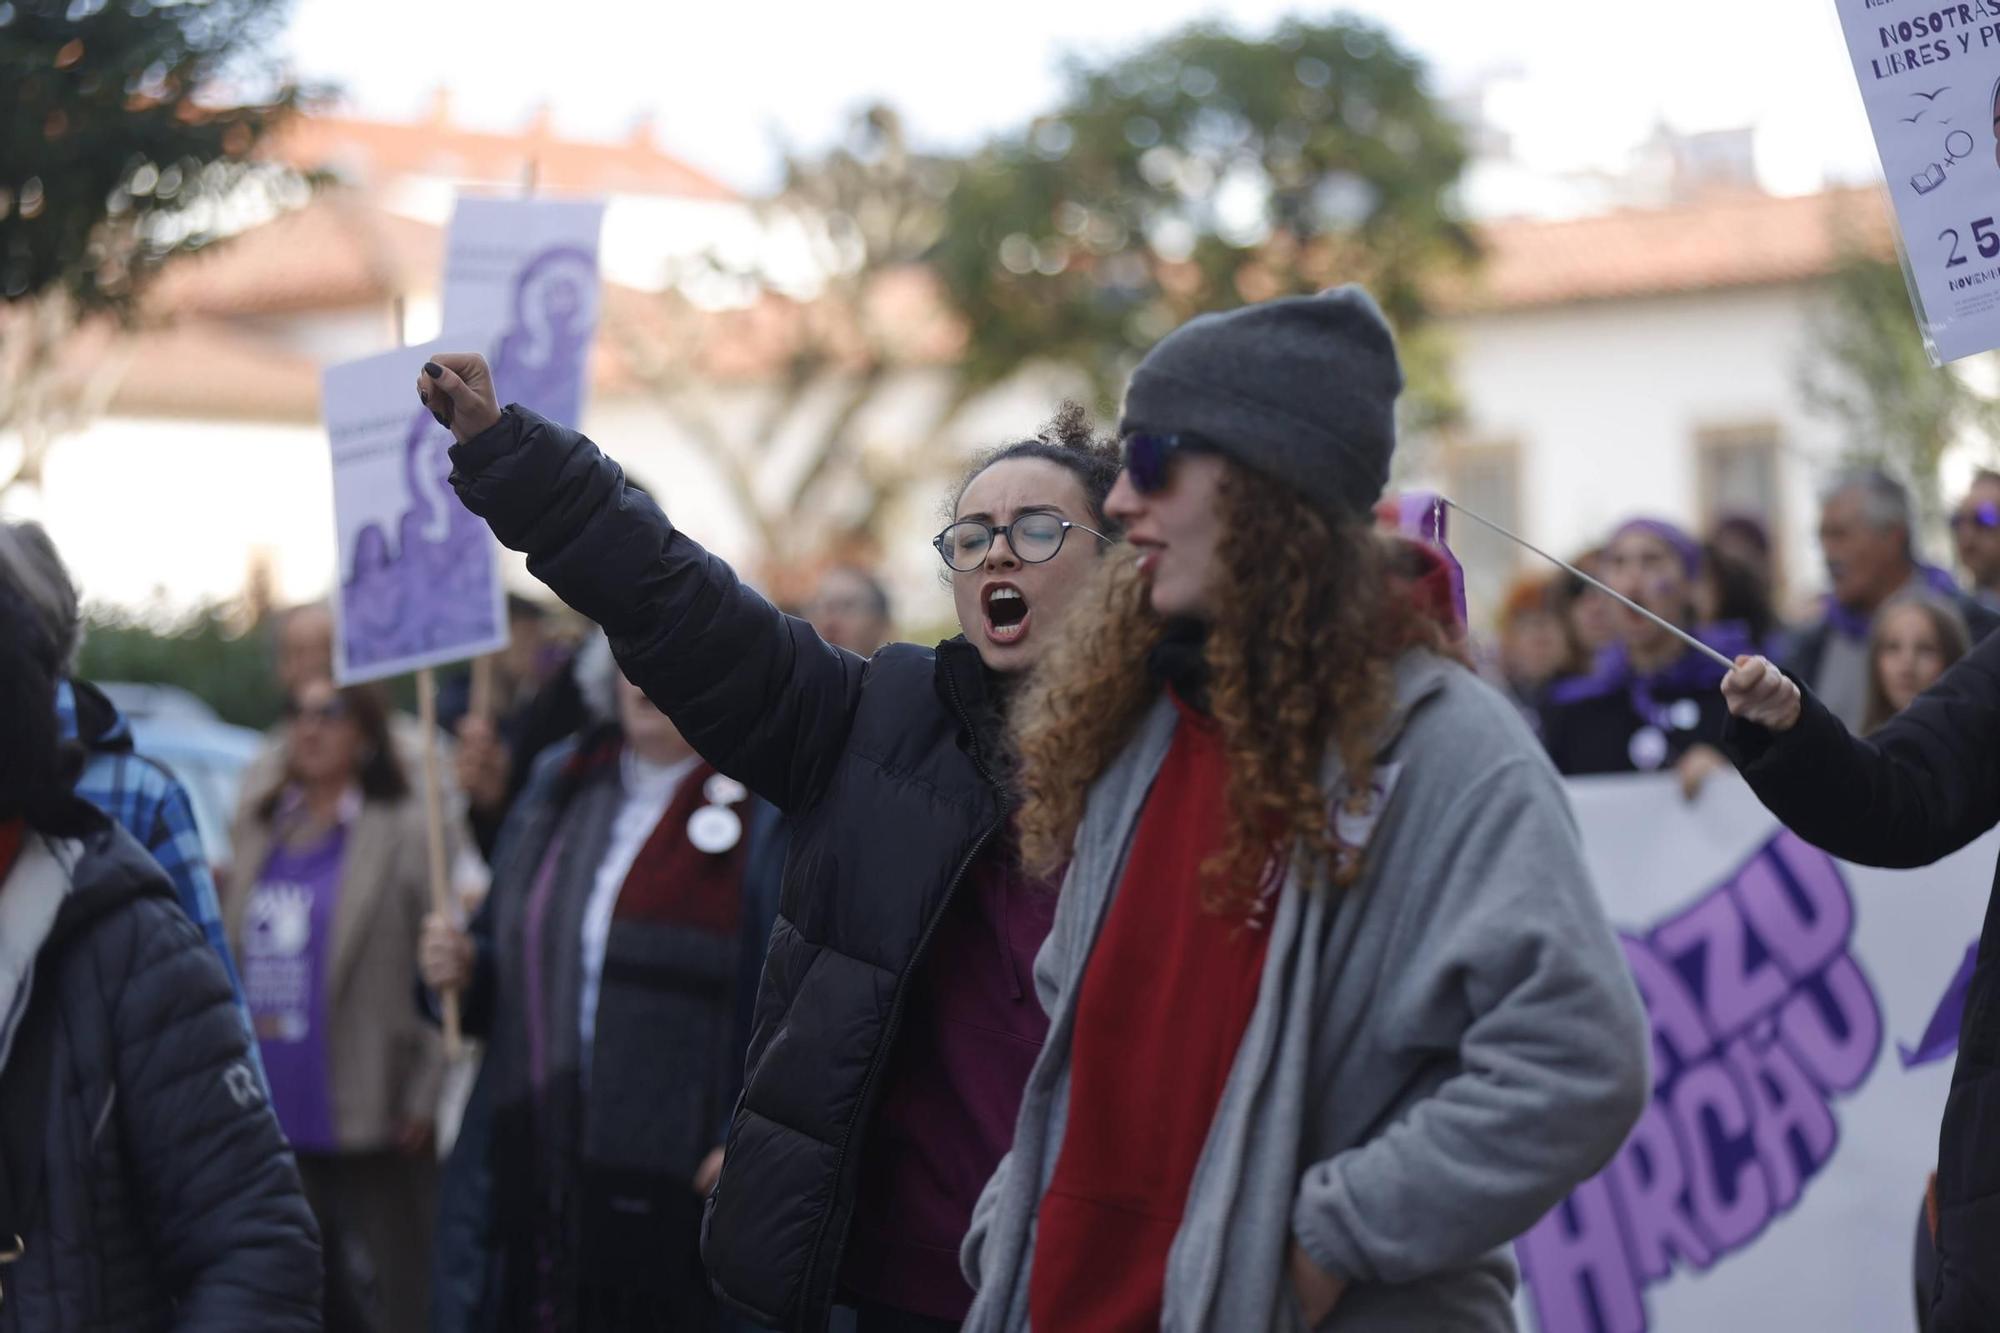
(442, 411)
(433, 369)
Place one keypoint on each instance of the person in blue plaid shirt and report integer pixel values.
(139, 793)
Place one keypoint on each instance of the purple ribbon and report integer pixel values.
(1689, 673)
(1941, 1033)
(1421, 515)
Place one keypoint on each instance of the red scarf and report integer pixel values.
(12, 831)
(671, 882)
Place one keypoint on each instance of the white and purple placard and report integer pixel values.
(1805, 1016)
(1930, 78)
(419, 574)
(525, 270)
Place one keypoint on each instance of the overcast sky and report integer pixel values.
(1590, 78)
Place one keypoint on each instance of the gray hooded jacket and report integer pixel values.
(1436, 1057)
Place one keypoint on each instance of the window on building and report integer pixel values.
(1739, 473)
(1739, 476)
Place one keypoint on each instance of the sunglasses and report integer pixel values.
(1984, 517)
(333, 710)
(1149, 457)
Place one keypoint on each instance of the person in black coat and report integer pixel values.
(1865, 531)
(897, 1018)
(1648, 703)
(1915, 791)
(611, 971)
(144, 1183)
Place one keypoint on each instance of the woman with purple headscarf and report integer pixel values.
(1650, 701)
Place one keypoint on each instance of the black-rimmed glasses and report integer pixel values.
(1034, 538)
(1149, 457)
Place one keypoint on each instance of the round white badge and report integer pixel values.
(720, 790)
(1647, 748)
(1685, 715)
(714, 829)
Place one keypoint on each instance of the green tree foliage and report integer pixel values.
(119, 145)
(203, 652)
(128, 131)
(1200, 172)
(862, 213)
(1867, 369)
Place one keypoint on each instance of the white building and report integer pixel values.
(1640, 361)
(1648, 362)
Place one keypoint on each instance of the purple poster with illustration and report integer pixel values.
(525, 270)
(1804, 1017)
(419, 574)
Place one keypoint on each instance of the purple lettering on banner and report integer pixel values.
(1726, 1183)
(1649, 1175)
(1796, 902)
(1760, 1018)
(1680, 1034)
(1834, 1026)
(1711, 945)
(1790, 1122)
(1578, 1268)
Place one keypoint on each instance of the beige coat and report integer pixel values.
(386, 1063)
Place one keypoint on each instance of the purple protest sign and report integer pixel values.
(419, 574)
(525, 270)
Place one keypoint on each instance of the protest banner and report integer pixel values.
(1804, 1015)
(419, 574)
(525, 271)
(1930, 79)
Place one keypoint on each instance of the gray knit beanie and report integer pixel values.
(1302, 389)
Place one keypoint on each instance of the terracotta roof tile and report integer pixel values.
(338, 253)
(374, 152)
(194, 368)
(1740, 241)
(335, 252)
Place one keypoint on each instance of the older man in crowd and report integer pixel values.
(1865, 532)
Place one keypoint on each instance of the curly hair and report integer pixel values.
(1299, 658)
(1072, 442)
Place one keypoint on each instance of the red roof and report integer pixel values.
(338, 253)
(332, 254)
(372, 152)
(201, 353)
(1734, 241)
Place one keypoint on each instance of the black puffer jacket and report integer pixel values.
(169, 1199)
(883, 766)
(1918, 789)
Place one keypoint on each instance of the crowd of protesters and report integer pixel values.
(1612, 691)
(1192, 941)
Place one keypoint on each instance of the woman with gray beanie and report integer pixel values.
(1334, 1012)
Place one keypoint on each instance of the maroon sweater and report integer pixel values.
(1166, 996)
(971, 1030)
